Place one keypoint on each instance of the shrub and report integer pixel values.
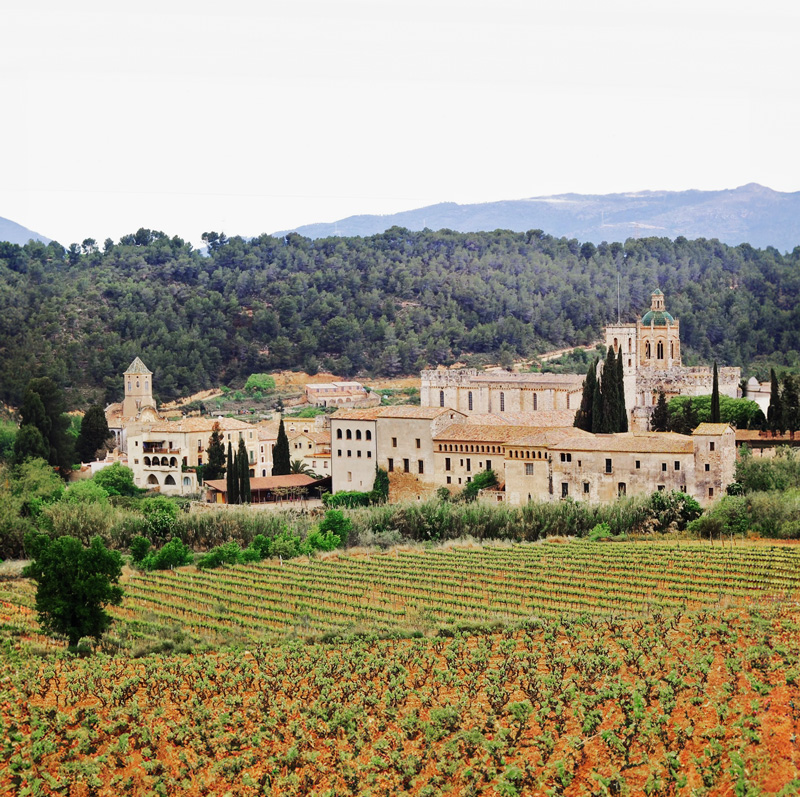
(160, 514)
(172, 554)
(116, 479)
(139, 548)
(86, 491)
(348, 500)
(228, 554)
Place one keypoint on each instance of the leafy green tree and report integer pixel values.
(281, 463)
(715, 413)
(86, 491)
(583, 417)
(74, 584)
(161, 515)
(116, 479)
(43, 407)
(29, 444)
(481, 481)
(381, 485)
(260, 383)
(8, 434)
(215, 464)
(94, 434)
(231, 478)
(244, 473)
(659, 420)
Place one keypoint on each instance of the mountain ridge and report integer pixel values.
(750, 213)
(12, 232)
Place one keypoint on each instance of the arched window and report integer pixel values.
(169, 480)
(469, 400)
(173, 462)
(349, 434)
(647, 352)
(152, 479)
(616, 345)
(660, 350)
(368, 435)
(187, 482)
(147, 461)
(502, 401)
(338, 434)
(672, 350)
(441, 398)
(358, 434)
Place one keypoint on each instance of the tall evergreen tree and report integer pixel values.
(597, 405)
(790, 403)
(583, 417)
(715, 416)
(244, 473)
(231, 478)
(43, 407)
(775, 410)
(660, 417)
(610, 415)
(215, 463)
(622, 410)
(93, 435)
(281, 461)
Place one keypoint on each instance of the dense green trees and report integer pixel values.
(74, 584)
(394, 302)
(215, 455)
(44, 424)
(659, 420)
(602, 409)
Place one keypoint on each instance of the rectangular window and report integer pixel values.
(394, 442)
(677, 465)
(564, 489)
(608, 466)
(449, 479)
(488, 464)
(358, 453)
(529, 468)
(586, 488)
(406, 466)
(419, 443)
(136, 462)
(349, 453)
(710, 446)
(710, 492)
(338, 452)
(369, 455)
(447, 463)
(420, 466)
(638, 464)
(390, 466)
(707, 467)
(349, 476)
(664, 466)
(661, 488)
(469, 465)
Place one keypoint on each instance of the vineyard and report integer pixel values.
(571, 668)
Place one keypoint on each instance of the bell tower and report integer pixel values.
(138, 389)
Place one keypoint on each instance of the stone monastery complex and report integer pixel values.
(518, 425)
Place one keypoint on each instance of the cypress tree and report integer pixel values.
(281, 463)
(610, 414)
(583, 417)
(93, 435)
(775, 410)
(597, 406)
(215, 464)
(790, 403)
(660, 417)
(689, 417)
(715, 416)
(622, 411)
(231, 478)
(244, 474)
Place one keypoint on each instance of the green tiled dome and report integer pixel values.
(658, 318)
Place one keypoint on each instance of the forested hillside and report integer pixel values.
(388, 304)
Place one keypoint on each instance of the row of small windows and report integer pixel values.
(349, 434)
(514, 454)
(406, 466)
(163, 462)
(350, 453)
(469, 448)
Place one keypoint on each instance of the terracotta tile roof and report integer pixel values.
(546, 438)
(417, 413)
(633, 442)
(137, 367)
(468, 432)
(201, 425)
(543, 418)
(266, 482)
(766, 438)
(357, 415)
(712, 428)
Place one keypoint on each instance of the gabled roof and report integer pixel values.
(417, 413)
(201, 425)
(137, 367)
(474, 433)
(630, 442)
(266, 482)
(712, 428)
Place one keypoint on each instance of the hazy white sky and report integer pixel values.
(251, 117)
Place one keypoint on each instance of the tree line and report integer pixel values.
(386, 304)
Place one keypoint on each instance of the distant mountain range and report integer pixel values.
(17, 234)
(749, 214)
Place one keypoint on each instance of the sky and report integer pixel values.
(251, 117)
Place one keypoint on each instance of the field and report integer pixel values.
(571, 668)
